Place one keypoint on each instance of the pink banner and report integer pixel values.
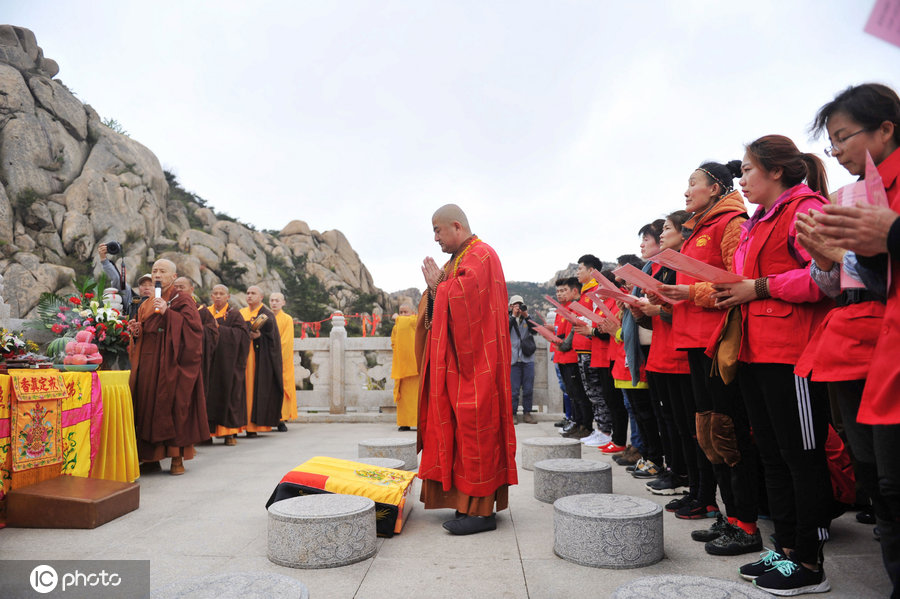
(544, 332)
(96, 417)
(576, 307)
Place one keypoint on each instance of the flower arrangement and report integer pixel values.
(82, 311)
(12, 345)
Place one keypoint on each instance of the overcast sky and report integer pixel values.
(559, 127)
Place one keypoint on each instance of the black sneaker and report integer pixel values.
(561, 423)
(567, 427)
(734, 541)
(788, 578)
(677, 504)
(697, 510)
(766, 560)
(705, 535)
(669, 483)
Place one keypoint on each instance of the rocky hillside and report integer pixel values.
(68, 183)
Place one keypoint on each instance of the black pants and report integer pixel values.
(789, 415)
(876, 449)
(670, 413)
(642, 407)
(615, 401)
(582, 413)
(739, 483)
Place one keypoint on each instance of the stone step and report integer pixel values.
(561, 477)
(608, 531)
(383, 462)
(535, 449)
(321, 531)
(398, 448)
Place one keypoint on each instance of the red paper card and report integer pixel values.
(641, 279)
(694, 268)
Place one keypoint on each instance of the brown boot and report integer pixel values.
(230, 440)
(177, 466)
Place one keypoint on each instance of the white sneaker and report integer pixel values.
(603, 439)
(595, 440)
(590, 437)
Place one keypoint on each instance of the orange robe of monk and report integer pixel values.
(286, 331)
(466, 432)
(264, 383)
(405, 371)
(167, 382)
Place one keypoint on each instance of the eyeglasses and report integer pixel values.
(839, 143)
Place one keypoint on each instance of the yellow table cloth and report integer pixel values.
(116, 457)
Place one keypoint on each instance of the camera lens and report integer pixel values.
(113, 247)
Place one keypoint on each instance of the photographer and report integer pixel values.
(113, 247)
(522, 355)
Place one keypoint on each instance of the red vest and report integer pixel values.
(692, 324)
(582, 343)
(879, 402)
(562, 330)
(842, 347)
(774, 330)
(600, 347)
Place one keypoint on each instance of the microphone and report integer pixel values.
(157, 292)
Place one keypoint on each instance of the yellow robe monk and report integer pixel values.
(405, 371)
(264, 383)
(286, 330)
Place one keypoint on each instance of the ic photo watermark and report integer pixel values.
(74, 579)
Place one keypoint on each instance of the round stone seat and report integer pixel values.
(383, 462)
(321, 531)
(674, 586)
(561, 477)
(398, 448)
(536, 449)
(608, 531)
(234, 585)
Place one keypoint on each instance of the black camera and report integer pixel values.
(523, 307)
(113, 247)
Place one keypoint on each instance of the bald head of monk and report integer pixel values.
(451, 227)
(219, 296)
(254, 297)
(276, 302)
(163, 272)
(183, 286)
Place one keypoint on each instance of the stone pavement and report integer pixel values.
(213, 520)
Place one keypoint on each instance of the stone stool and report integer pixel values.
(536, 449)
(383, 462)
(566, 476)
(234, 585)
(321, 531)
(675, 586)
(399, 448)
(608, 531)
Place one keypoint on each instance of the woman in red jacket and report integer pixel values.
(861, 119)
(719, 423)
(780, 307)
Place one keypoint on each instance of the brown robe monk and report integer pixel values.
(226, 398)
(265, 382)
(210, 339)
(166, 380)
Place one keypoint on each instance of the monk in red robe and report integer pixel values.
(264, 376)
(166, 378)
(466, 432)
(226, 397)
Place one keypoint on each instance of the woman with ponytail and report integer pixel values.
(725, 453)
(780, 308)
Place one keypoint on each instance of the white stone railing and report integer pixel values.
(337, 374)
